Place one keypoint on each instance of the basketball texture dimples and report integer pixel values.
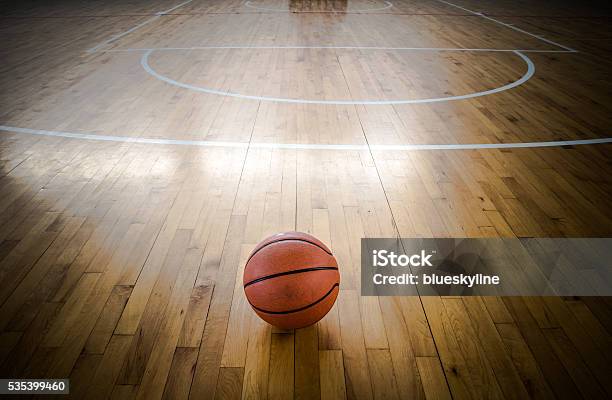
(291, 280)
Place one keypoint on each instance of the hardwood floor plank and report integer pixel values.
(526, 365)
(358, 383)
(384, 384)
(8, 341)
(105, 326)
(162, 253)
(482, 376)
(432, 376)
(29, 341)
(52, 281)
(564, 349)
(241, 314)
(158, 366)
(452, 358)
(256, 370)
(211, 348)
(493, 348)
(124, 392)
(180, 375)
(418, 326)
(281, 376)
(372, 323)
(71, 310)
(332, 375)
(38, 271)
(23, 257)
(409, 383)
(158, 305)
(229, 385)
(580, 339)
(591, 324)
(82, 374)
(554, 372)
(110, 366)
(307, 384)
(196, 314)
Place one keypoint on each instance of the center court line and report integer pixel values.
(144, 61)
(569, 49)
(148, 21)
(230, 47)
(300, 146)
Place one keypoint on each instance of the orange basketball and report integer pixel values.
(291, 280)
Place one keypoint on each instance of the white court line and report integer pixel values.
(300, 146)
(569, 49)
(388, 5)
(144, 61)
(148, 21)
(223, 47)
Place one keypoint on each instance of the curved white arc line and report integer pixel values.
(144, 61)
(388, 5)
(300, 146)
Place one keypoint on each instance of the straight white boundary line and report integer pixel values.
(148, 21)
(388, 5)
(299, 146)
(569, 49)
(230, 47)
(144, 61)
(344, 147)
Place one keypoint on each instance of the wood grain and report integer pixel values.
(121, 262)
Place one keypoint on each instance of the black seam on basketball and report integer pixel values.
(297, 309)
(295, 271)
(286, 240)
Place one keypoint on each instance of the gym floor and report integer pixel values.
(147, 146)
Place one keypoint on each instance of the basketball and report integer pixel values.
(291, 280)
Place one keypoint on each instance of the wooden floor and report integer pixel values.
(121, 262)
